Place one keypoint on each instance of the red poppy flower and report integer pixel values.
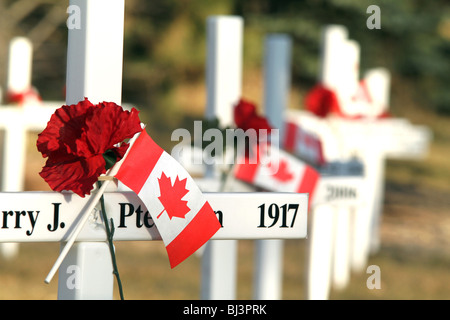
(29, 95)
(245, 117)
(79, 139)
(322, 101)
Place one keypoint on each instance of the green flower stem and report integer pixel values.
(110, 235)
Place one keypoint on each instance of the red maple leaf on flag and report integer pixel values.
(282, 174)
(171, 197)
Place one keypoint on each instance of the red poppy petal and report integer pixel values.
(64, 126)
(258, 123)
(78, 175)
(120, 151)
(125, 124)
(322, 101)
(94, 166)
(109, 125)
(243, 111)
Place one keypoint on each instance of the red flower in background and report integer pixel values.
(78, 141)
(27, 96)
(245, 117)
(322, 101)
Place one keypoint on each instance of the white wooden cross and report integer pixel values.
(51, 216)
(224, 69)
(374, 140)
(328, 261)
(17, 120)
(370, 139)
(338, 188)
(224, 73)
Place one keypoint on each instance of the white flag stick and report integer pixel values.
(93, 200)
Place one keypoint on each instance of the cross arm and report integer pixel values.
(51, 216)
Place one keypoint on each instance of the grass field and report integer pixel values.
(146, 274)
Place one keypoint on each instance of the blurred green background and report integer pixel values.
(164, 55)
(164, 76)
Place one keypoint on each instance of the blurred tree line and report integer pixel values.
(413, 42)
(164, 55)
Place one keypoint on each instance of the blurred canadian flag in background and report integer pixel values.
(278, 171)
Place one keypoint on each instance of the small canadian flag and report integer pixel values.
(304, 144)
(184, 218)
(278, 171)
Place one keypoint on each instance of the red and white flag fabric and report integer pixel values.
(277, 170)
(185, 220)
(303, 144)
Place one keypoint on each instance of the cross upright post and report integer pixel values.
(378, 81)
(277, 71)
(20, 65)
(343, 214)
(94, 70)
(223, 81)
(19, 80)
